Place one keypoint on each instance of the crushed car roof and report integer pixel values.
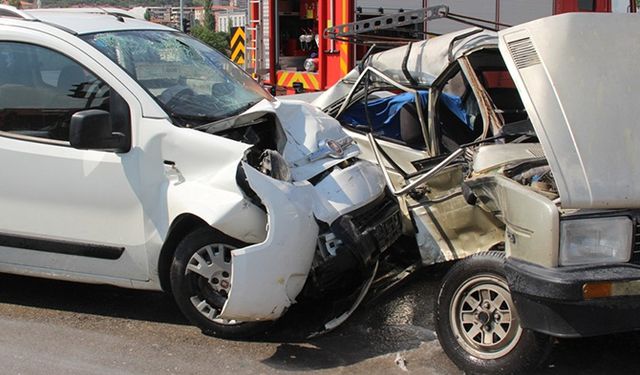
(429, 58)
(426, 61)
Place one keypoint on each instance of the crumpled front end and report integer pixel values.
(328, 221)
(266, 277)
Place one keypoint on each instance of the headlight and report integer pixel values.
(596, 240)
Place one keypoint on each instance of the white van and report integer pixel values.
(136, 156)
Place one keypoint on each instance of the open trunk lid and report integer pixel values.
(577, 75)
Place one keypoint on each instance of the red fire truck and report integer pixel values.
(285, 49)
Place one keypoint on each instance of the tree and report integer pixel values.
(217, 40)
(209, 19)
(15, 3)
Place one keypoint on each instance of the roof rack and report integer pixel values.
(364, 32)
(357, 31)
(13, 12)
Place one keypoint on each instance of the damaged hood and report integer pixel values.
(577, 76)
(315, 142)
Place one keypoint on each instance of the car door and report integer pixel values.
(396, 127)
(65, 211)
(447, 227)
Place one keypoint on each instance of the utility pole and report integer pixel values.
(181, 15)
(39, 4)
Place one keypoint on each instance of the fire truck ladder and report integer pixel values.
(254, 48)
(361, 32)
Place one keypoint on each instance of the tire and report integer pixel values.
(477, 324)
(200, 295)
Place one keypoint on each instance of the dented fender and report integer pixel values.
(221, 209)
(267, 277)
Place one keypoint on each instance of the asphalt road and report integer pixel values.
(52, 327)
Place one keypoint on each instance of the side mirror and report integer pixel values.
(91, 130)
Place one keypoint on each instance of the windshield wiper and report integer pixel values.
(186, 120)
(228, 121)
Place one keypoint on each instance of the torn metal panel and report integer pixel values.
(267, 277)
(447, 227)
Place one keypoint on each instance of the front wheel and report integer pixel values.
(477, 323)
(201, 280)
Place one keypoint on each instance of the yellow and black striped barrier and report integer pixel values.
(237, 45)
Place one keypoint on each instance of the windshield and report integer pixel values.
(194, 83)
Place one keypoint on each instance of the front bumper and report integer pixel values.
(551, 300)
(371, 230)
(267, 277)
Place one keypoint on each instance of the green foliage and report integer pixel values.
(15, 3)
(147, 15)
(209, 19)
(217, 40)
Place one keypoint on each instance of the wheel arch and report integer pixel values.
(180, 227)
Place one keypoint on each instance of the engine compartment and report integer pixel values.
(535, 174)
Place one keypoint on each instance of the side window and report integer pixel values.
(394, 117)
(502, 90)
(457, 113)
(41, 89)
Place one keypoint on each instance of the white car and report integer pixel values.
(136, 156)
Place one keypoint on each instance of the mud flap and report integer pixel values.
(267, 277)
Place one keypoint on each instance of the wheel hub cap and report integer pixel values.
(210, 268)
(483, 318)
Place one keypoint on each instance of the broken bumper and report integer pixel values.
(267, 277)
(560, 303)
(370, 230)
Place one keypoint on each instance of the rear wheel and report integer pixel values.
(201, 280)
(477, 323)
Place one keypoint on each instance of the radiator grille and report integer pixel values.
(635, 255)
(524, 53)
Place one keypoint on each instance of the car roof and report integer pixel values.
(427, 59)
(90, 20)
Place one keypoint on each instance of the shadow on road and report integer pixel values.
(398, 322)
(613, 354)
(100, 300)
(391, 324)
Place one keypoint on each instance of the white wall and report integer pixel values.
(227, 20)
(511, 12)
(369, 5)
